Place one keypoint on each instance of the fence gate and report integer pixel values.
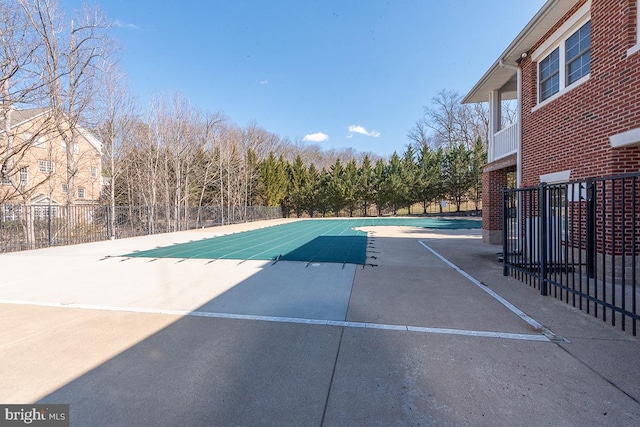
(578, 242)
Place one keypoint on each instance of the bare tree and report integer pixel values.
(453, 122)
(115, 116)
(70, 64)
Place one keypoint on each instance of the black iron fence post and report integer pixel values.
(505, 232)
(542, 236)
(590, 228)
(50, 227)
(108, 218)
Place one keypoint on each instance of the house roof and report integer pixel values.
(18, 117)
(503, 70)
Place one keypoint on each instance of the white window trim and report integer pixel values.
(40, 142)
(49, 166)
(4, 178)
(556, 177)
(625, 139)
(558, 39)
(636, 48)
(561, 92)
(24, 182)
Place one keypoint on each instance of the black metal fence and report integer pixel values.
(578, 242)
(31, 227)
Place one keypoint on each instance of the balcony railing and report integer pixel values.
(505, 142)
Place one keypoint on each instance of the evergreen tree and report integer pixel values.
(336, 199)
(379, 186)
(297, 185)
(410, 178)
(312, 190)
(323, 193)
(395, 187)
(478, 160)
(430, 177)
(457, 173)
(350, 187)
(272, 185)
(365, 190)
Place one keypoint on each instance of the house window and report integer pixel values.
(550, 75)
(80, 193)
(42, 212)
(64, 188)
(12, 212)
(574, 53)
(564, 57)
(5, 175)
(24, 176)
(75, 148)
(46, 166)
(578, 54)
(63, 144)
(38, 142)
(94, 172)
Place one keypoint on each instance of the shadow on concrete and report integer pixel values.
(202, 371)
(336, 249)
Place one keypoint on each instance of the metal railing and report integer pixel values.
(24, 227)
(579, 242)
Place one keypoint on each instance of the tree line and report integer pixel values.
(425, 175)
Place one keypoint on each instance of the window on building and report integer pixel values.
(5, 175)
(12, 212)
(35, 141)
(42, 212)
(76, 150)
(64, 188)
(80, 193)
(46, 166)
(24, 176)
(578, 54)
(567, 63)
(550, 75)
(63, 144)
(636, 48)
(94, 172)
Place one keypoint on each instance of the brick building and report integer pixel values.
(575, 73)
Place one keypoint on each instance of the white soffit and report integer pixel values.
(496, 77)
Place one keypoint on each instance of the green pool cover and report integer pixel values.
(334, 240)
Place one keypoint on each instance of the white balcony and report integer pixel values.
(504, 143)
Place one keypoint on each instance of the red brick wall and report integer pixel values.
(492, 185)
(572, 131)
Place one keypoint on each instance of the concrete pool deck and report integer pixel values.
(408, 342)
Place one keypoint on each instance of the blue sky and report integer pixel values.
(343, 73)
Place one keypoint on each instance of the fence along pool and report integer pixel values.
(38, 226)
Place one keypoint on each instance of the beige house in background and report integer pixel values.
(34, 161)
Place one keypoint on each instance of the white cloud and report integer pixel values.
(264, 82)
(361, 130)
(119, 24)
(316, 137)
